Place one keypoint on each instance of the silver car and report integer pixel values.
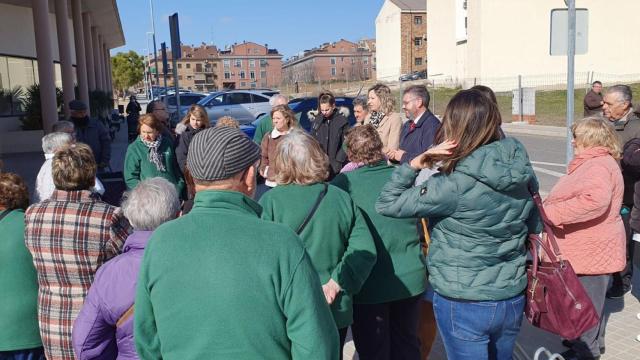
(243, 105)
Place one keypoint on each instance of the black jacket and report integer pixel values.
(631, 163)
(183, 145)
(330, 134)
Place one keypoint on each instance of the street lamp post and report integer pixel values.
(149, 67)
(155, 49)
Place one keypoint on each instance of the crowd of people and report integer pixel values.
(273, 247)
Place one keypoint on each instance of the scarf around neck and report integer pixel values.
(376, 118)
(155, 157)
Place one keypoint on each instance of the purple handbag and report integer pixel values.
(556, 300)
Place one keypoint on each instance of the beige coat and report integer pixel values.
(389, 131)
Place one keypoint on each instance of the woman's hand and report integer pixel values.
(331, 290)
(444, 148)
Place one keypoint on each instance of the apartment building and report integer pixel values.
(401, 38)
(342, 60)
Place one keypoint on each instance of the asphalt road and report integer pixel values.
(547, 155)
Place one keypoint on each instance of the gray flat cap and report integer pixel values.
(220, 153)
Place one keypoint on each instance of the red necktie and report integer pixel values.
(412, 126)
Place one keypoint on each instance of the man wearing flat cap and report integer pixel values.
(219, 282)
(91, 132)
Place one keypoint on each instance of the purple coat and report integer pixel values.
(112, 293)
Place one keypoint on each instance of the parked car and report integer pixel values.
(302, 106)
(415, 75)
(244, 105)
(186, 100)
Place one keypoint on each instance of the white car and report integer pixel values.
(243, 105)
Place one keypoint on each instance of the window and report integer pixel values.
(366, 73)
(417, 41)
(365, 60)
(238, 62)
(263, 74)
(417, 20)
(333, 61)
(333, 71)
(418, 61)
(242, 74)
(243, 84)
(198, 67)
(252, 63)
(253, 85)
(353, 60)
(188, 66)
(252, 75)
(258, 98)
(226, 63)
(263, 62)
(16, 74)
(179, 66)
(179, 77)
(227, 75)
(189, 77)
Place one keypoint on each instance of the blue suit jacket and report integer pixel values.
(421, 138)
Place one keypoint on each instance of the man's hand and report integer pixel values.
(331, 290)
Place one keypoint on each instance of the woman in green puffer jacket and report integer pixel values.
(481, 213)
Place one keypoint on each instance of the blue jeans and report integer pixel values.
(478, 330)
(28, 354)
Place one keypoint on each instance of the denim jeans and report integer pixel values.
(476, 330)
(27, 354)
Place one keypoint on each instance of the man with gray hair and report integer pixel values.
(220, 282)
(50, 144)
(265, 125)
(618, 109)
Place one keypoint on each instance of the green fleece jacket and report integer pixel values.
(18, 280)
(399, 272)
(481, 214)
(137, 166)
(337, 238)
(220, 283)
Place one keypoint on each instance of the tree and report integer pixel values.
(128, 70)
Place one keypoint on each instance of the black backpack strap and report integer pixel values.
(313, 209)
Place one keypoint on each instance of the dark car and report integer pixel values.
(303, 105)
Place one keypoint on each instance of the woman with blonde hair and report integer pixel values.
(584, 210)
(331, 226)
(284, 120)
(382, 116)
(196, 120)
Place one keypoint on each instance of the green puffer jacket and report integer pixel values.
(480, 215)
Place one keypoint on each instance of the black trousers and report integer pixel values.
(623, 278)
(387, 331)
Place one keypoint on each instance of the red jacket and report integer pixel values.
(584, 209)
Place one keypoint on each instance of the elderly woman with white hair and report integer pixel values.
(44, 182)
(104, 327)
(332, 228)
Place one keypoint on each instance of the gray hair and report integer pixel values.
(55, 141)
(361, 101)
(151, 203)
(274, 99)
(623, 91)
(299, 159)
(63, 126)
(419, 91)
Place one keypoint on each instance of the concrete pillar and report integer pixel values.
(64, 48)
(97, 58)
(108, 68)
(44, 53)
(81, 59)
(105, 67)
(88, 50)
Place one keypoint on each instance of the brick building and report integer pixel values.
(339, 61)
(206, 68)
(401, 38)
(250, 65)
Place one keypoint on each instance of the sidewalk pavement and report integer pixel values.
(529, 129)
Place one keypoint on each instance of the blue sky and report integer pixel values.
(287, 25)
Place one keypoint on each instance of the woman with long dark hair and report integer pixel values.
(481, 213)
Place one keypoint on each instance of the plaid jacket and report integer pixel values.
(70, 236)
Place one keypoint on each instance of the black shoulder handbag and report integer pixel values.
(313, 209)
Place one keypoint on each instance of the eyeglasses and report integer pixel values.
(408, 101)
